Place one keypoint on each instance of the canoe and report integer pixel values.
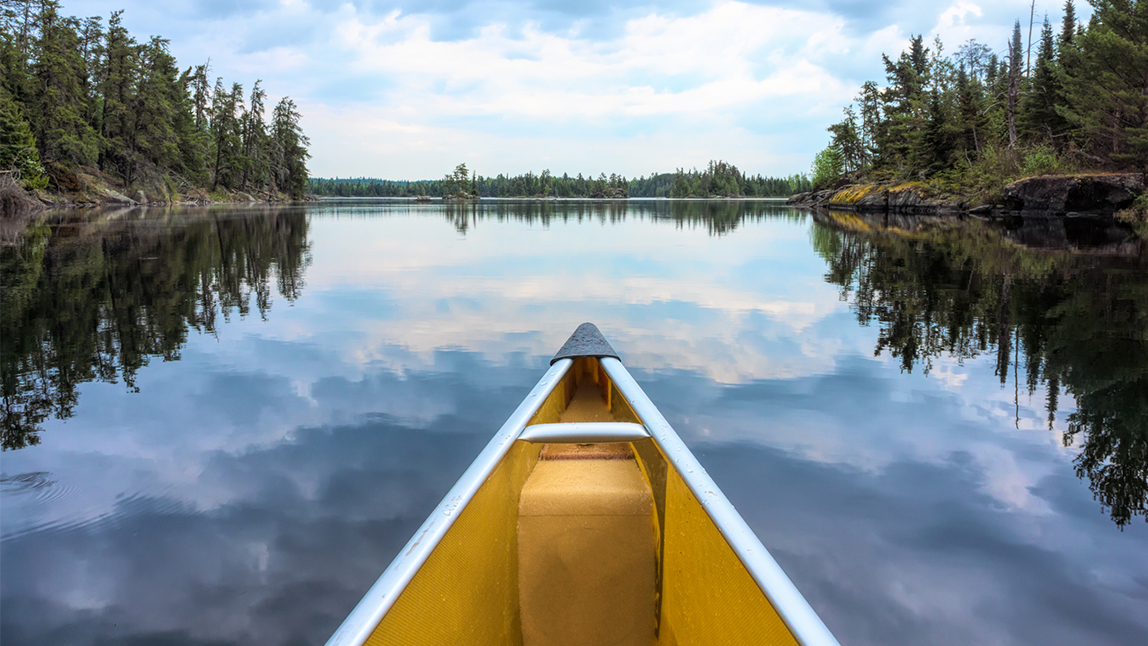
(584, 521)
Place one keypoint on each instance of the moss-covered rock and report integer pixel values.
(1093, 193)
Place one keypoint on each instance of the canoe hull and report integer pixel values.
(457, 581)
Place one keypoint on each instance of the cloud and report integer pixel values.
(405, 90)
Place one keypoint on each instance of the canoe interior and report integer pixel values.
(467, 592)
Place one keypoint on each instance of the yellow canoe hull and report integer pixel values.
(467, 592)
(585, 521)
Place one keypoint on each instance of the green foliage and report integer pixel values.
(57, 104)
(1041, 122)
(86, 96)
(1136, 215)
(989, 172)
(982, 118)
(1042, 160)
(683, 183)
(288, 150)
(457, 184)
(17, 145)
(1106, 102)
(828, 165)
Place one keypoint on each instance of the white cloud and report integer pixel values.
(955, 25)
(408, 89)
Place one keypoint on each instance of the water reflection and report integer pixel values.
(251, 491)
(95, 298)
(718, 217)
(1072, 322)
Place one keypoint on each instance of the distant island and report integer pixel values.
(1063, 131)
(718, 180)
(90, 115)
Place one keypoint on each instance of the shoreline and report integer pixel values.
(1091, 195)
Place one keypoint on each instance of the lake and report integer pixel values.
(221, 424)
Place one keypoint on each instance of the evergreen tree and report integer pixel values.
(937, 141)
(906, 106)
(115, 90)
(1015, 59)
(289, 165)
(1039, 116)
(74, 93)
(17, 145)
(57, 102)
(1106, 95)
(192, 141)
(255, 140)
(970, 116)
(1067, 28)
(846, 139)
(154, 104)
(225, 136)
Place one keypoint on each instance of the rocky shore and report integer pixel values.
(87, 187)
(1088, 195)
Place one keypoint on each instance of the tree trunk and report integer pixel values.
(1013, 90)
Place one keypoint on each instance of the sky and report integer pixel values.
(407, 89)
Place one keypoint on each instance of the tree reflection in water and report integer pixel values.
(96, 298)
(1075, 321)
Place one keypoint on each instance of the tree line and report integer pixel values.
(722, 179)
(77, 93)
(718, 179)
(980, 117)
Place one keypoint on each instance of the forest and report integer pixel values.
(78, 94)
(1057, 100)
(718, 179)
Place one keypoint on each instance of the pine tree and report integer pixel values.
(255, 140)
(1015, 59)
(1106, 93)
(57, 101)
(225, 136)
(935, 152)
(155, 102)
(192, 141)
(1039, 117)
(115, 90)
(906, 105)
(970, 117)
(1067, 27)
(17, 144)
(289, 149)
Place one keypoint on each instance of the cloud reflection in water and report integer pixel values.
(253, 489)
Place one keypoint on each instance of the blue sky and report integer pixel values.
(408, 89)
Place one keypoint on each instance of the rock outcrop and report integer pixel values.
(894, 197)
(1056, 194)
(1046, 196)
(16, 202)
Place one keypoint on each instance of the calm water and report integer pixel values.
(221, 425)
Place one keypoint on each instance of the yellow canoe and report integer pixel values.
(585, 521)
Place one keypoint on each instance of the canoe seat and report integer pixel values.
(586, 549)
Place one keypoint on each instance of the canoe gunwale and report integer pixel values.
(801, 620)
(790, 605)
(359, 625)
